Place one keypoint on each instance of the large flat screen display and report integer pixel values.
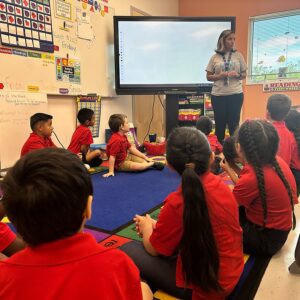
(165, 54)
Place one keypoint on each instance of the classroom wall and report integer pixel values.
(255, 99)
(64, 108)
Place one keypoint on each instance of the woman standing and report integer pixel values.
(226, 69)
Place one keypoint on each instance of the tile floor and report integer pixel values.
(278, 283)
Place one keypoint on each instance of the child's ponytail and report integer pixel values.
(189, 153)
(199, 254)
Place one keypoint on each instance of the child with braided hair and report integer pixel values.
(194, 250)
(292, 122)
(266, 189)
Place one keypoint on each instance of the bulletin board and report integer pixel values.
(57, 47)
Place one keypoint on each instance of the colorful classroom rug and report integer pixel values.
(117, 199)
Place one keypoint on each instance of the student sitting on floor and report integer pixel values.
(278, 107)
(48, 197)
(195, 247)
(266, 189)
(292, 122)
(122, 155)
(205, 125)
(41, 126)
(82, 139)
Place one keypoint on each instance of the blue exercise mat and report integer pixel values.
(117, 199)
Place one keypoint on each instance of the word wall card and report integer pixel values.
(26, 24)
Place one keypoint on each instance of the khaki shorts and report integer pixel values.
(126, 165)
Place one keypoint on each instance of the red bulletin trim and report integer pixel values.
(5, 50)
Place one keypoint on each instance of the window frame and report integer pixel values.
(252, 20)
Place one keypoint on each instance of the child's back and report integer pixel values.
(72, 268)
(52, 192)
(278, 107)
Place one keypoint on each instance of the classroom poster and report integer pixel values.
(68, 70)
(63, 10)
(94, 103)
(26, 24)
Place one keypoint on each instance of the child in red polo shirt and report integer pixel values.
(41, 126)
(48, 197)
(266, 189)
(82, 139)
(9, 242)
(292, 122)
(205, 125)
(122, 155)
(195, 247)
(278, 107)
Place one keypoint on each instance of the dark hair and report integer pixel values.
(45, 195)
(85, 114)
(204, 124)
(259, 141)
(39, 117)
(278, 106)
(292, 122)
(220, 45)
(116, 121)
(188, 147)
(229, 150)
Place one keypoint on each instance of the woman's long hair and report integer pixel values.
(259, 142)
(188, 152)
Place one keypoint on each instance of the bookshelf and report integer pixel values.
(186, 109)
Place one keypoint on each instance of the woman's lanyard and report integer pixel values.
(226, 65)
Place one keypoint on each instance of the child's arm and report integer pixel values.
(84, 148)
(111, 167)
(226, 167)
(138, 153)
(145, 226)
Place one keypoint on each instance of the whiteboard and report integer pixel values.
(16, 109)
(89, 45)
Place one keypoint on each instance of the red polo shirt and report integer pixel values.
(35, 142)
(223, 213)
(72, 268)
(81, 136)
(118, 146)
(295, 162)
(6, 236)
(214, 143)
(286, 141)
(278, 202)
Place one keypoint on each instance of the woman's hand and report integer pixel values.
(233, 74)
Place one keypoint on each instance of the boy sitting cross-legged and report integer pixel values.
(82, 139)
(122, 155)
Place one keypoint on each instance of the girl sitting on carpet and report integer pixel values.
(266, 189)
(194, 250)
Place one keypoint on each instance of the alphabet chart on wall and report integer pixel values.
(26, 24)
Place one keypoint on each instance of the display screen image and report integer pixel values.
(165, 54)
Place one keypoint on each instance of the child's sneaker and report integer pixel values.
(158, 166)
